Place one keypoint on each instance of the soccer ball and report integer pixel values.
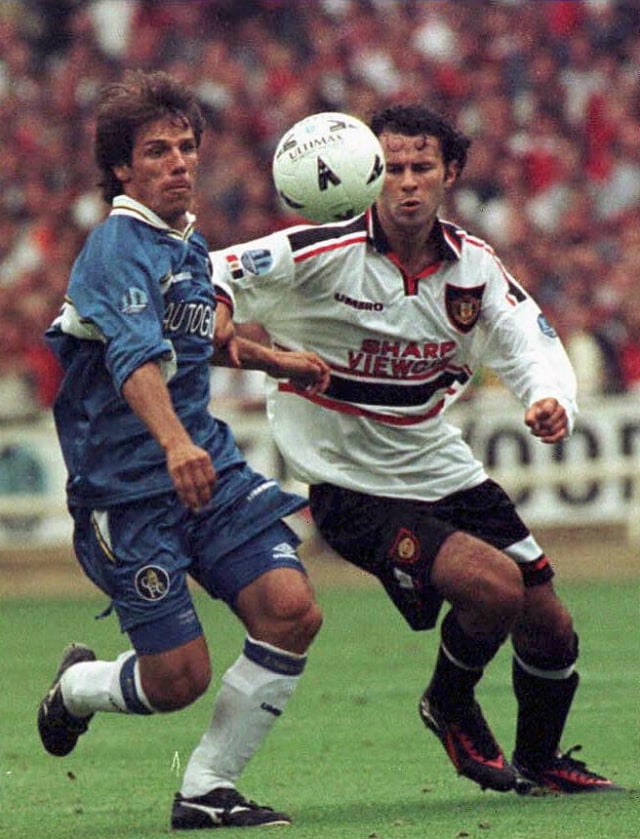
(328, 167)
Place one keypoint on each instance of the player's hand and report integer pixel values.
(224, 339)
(192, 473)
(305, 370)
(547, 420)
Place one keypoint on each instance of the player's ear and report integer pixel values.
(452, 170)
(122, 172)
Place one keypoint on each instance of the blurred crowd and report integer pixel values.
(548, 91)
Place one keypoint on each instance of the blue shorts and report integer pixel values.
(141, 553)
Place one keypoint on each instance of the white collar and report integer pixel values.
(123, 205)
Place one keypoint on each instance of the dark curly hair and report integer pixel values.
(123, 107)
(415, 120)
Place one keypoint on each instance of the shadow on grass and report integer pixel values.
(475, 809)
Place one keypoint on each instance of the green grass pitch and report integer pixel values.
(350, 759)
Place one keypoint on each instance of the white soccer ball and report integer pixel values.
(328, 167)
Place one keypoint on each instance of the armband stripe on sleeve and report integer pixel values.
(223, 294)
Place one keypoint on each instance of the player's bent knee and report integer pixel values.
(498, 610)
(509, 595)
(292, 628)
(494, 603)
(481, 582)
(310, 623)
(280, 609)
(295, 627)
(546, 626)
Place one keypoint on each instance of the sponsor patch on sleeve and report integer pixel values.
(134, 300)
(545, 327)
(257, 261)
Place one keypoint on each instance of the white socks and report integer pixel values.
(254, 693)
(91, 686)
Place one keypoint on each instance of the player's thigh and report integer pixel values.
(136, 555)
(474, 576)
(488, 513)
(396, 540)
(421, 556)
(264, 581)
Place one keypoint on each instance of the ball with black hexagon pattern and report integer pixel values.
(328, 167)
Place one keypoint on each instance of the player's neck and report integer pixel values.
(414, 252)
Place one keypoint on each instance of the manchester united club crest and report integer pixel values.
(463, 306)
(406, 547)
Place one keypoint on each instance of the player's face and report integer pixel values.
(415, 183)
(162, 171)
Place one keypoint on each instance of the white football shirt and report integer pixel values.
(401, 349)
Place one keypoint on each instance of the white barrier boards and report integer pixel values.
(593, 478)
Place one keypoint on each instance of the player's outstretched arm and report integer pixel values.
(305, 370)
(547, 420)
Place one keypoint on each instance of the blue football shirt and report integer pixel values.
(138, 291)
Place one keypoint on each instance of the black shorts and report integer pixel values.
(397, 539)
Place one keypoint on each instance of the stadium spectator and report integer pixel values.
(630, 345)
(597, 364)
(550, 88)
(17, 385)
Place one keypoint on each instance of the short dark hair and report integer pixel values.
(415, 120)
(123, 107)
